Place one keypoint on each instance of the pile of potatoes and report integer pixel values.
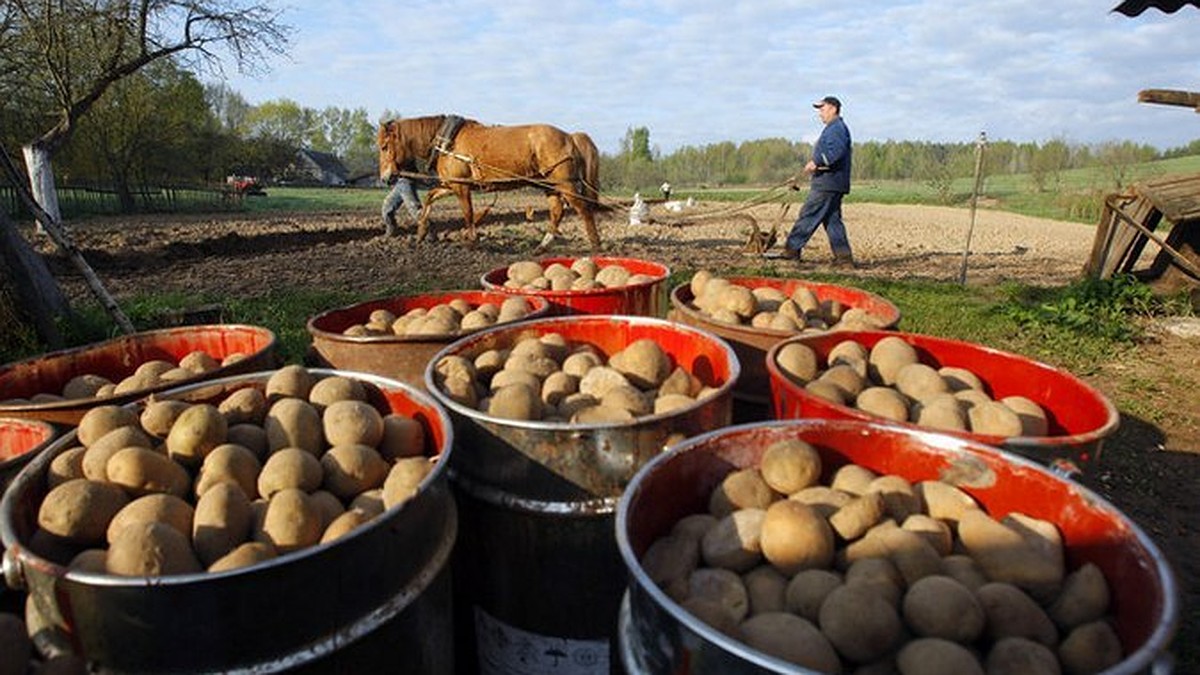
(180, 487)
(450, 318)
(889, 380)
(550, 379)
(582, 275)
(872, 573)
(148, 374)
(766, 307)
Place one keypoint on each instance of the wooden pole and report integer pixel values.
(979, 146)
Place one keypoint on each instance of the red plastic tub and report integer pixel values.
(751, 344)
(402, 357)
(20, 440)
(656, 630)
(1079, 416)
(119, 357)
(644, 299)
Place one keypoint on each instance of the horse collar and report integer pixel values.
(444, 138)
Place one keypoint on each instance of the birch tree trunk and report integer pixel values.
(41, 182)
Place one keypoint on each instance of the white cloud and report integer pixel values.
(704, 71)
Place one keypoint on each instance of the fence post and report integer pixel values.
(979, 146)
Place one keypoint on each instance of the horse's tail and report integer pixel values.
(589, 157)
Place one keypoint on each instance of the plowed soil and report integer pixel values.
(1147, 470)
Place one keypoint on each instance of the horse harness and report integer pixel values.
(443, 143)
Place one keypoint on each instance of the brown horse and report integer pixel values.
(489, 158)
(591, 166)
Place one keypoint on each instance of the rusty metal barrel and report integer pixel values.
(402, 357)
(377, 599)
(252, 349)
(660, 637)
(538, 579)
(752, 396)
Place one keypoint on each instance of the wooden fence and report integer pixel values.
(77, 200)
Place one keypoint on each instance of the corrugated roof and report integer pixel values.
(1136, 7)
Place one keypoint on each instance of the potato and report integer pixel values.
(199, 361)
(140, 471)
(249, 436)
(249, 553)
(538, 365)
(994, 419)
(789, 466)
(879, 576)
(643, 363)
(84, 386)
(712, 613)
(741, 489)
(798, 361)
(351, 469)
(671, 402)
(795, 537)
(721, 586)
(1032, 416)
(940, 411)
(697, 282)
(509, 376)
(524, 271)
(516, 402)
(670, 560)
(371, 501)
(102, 419)
(513, 308)
(601, 414)
(938, 606)
(612, 276)
(791, 638)
(599, 379)
(884, 402)
(959, 379)
(403, 436)
(1090, 648)
(229, 463)
(765, 587)
(291, 381)
(806, 299)
(344, 524)
(351, 422)
(934, 531)
(860, 624)
(934, 656)
(807, 590)
(247, 405)
(1019, 656)
(735, 542)
(329, 506)
(404, 479)
(944, 501)
(887, 357)
(290, 468)
(1019, 550)
(853, 478)
(1084, 598)
(845, 378)
(557, 386)
(292, 521)
(827, 391)
(221, 523)
(65, 466)
(158, 416)
(913, 557)
(158, 507)
(80, 510)
(95, 461)
(920, 382)
(628, 398)
(293, 423)
(900, 498)
(195, 433)
(963, 569)
(824, 499)
(854, 519)
(1012, 613)
(150, 549)
(694, 525)
(92, 561)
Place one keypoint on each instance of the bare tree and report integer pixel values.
(60, 56)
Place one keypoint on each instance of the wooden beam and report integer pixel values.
(1187, 99)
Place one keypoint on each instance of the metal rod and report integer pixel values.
(979, 145)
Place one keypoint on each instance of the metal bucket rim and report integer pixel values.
(453, 348)
(1142, 658)
(1112, 417)
(34, 470)
(680, 304)
(311, 324)
(569, 293)
(132, 394)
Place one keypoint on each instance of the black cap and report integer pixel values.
(831, 100)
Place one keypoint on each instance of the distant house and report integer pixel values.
(319, 167)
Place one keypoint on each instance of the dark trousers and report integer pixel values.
(820, 208)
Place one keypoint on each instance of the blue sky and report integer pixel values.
(696, 72)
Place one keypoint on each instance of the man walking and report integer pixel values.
(829, 168)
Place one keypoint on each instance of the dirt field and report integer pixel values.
(1149, 472)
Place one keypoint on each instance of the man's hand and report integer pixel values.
(810, 168)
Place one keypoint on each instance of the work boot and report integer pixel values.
(844, 261)
(782, 254)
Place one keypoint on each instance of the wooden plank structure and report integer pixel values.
(1129, 221)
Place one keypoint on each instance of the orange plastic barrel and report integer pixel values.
(1080, 417)
(643, 299)
(753, 391)
(117, 358)
(402, 357)
(658, 636)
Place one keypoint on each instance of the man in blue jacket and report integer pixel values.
(830, 171)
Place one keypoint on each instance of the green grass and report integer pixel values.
(316, 199)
